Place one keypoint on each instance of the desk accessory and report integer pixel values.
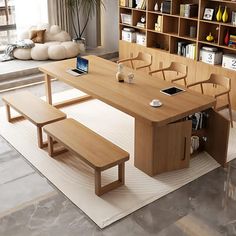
(120, 75)
(155, 103)
(130, 78)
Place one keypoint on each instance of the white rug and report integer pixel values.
(78, 184)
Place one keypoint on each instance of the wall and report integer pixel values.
(109, 25)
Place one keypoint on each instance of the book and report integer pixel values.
(124, 3)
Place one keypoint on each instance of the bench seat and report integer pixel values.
(93, 149)
(34, 109)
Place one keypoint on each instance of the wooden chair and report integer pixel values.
(225, 83)
(181, 70)
(145, 57)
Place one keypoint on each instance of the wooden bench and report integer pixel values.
(34, 109)
(91, 148)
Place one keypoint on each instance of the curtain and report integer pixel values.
(59, 15)
(29, 13)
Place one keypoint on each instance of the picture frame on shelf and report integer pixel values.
(208, 14)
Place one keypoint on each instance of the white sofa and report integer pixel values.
(57, 45)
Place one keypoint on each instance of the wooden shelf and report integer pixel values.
(176, 28)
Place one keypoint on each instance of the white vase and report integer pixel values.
(81, 43)
(156, 7)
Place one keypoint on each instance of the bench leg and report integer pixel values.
(40, 137)
(51, 151)
(12, 119)
(8, 111)
(99, 189)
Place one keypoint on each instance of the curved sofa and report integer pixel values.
(57, 45)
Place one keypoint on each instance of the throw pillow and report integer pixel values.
(37, 36)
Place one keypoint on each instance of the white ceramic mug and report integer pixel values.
(194, 143)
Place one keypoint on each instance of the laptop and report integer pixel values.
(81, 67)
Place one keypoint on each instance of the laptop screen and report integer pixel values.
(82, 64)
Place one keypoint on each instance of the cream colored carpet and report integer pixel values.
(76, 180)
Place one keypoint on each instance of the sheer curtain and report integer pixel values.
(59, 15)
(30, 12)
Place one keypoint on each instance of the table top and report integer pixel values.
(134, 98)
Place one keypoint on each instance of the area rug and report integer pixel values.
(76, 180)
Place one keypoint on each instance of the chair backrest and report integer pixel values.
(179, 68)
(143, 56)
(220, 80)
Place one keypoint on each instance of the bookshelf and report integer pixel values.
(175, 28)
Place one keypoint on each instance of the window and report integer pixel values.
(7, 23)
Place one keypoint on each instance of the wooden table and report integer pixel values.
(162, 136)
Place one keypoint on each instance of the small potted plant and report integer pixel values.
(79, 9)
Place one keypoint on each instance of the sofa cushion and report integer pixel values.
(22, 53)
(39, 52)
(37, 36)
(57, 52)
(72, 49)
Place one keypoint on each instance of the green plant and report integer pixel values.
(81, 8)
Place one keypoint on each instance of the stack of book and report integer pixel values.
(232, 41)
(141, 25)
(141, 4)
(189, 10)
(188, 50)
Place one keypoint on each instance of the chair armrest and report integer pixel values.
(140, 67)
(179, 78)
(194, 84)
(125, 60)
(221, 94)
(158, 70)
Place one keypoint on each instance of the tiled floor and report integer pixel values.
(29, 205)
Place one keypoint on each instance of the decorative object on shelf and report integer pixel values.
(161, 8)
(210, 37)
(226, 39)
(193, 31)
(225, 15)
(166, 6)
(208, 14)
(156, 7)
(142, 22)
(219, 14)
(233, 18)
(126, 18)
(120, 76)
(159, 24)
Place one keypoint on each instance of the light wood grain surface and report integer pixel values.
(33, 108)
(93, 149)
(132, 99)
